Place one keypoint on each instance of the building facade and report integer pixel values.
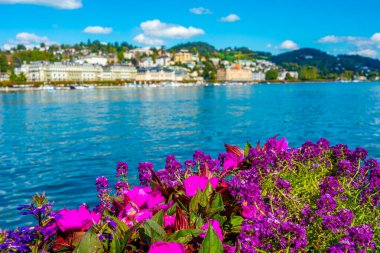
(235, 74)
(183, 56)
(74, 72)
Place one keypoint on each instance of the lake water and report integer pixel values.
(59, 142)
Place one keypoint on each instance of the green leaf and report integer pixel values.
(247, 148)
(211, 243)
(233, 224)
(208, 190)
(236, 220)
(193, 206)
(154, 231)
(90, 243)
(218, 201)
(184, 236)
(172, 209)
(159, 218)
(122, 235)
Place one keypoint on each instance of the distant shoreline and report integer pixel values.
(34, 87)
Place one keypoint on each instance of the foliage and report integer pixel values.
(308, 73)
(202, 48)
(17, 78)
(209, 71)
(271, 198)
(3, 63)
(325, 63)
(271, 74)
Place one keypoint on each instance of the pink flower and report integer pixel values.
(166, 247)
(169, 220)
(232, 161)
(216, 226)
(193, 183)
(228, 248)
(138, 195)
(250, 212)
(77, 220)
(139, 204)
(282, 144)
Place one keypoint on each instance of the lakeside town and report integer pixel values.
(195, 63)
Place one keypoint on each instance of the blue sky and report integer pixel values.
(268, 25)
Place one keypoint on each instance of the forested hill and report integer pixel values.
(324, 62)
(202, 47)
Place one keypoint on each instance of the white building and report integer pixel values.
(282, 75)
(93, 59)
(155, 75)
(137, 52)
(4, 77)
(163, 61)
(147, 62)
(258, 76)
(73, 72)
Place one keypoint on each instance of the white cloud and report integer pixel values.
(29, 40)
(357, 41)
(364, 46)
(156, 28)
(59, 4)
(98, 30)
(376, 38)
(366, 53)
(288, 45)
(230, 18)
(200, 11)
(330, 39)
(143, 39)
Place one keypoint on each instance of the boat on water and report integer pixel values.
(81, 87)
(171, 84)
(48, 87)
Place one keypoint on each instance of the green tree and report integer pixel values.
(120, 56)
(271, 74)
(347, 75)
(3, 63)
(373, 75)
(209, 71)
(289, 77)
(308, 73)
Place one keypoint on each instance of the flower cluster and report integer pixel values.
(268, 198)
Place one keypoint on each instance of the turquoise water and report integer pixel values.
(60, 142)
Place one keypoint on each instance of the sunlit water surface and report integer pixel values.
(59, 142)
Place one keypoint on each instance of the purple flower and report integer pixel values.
(120, 187)
(330, 185)
(145, 174)
(283, 185)
(121, 169)
(326, 203)
(101, 183)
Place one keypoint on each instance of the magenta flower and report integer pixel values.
(232, 161)
(282, 144)
(77, 220)
(193, 183)
(139, 204)
(169, 247)
(216, 226)
(172, 247)
(250, 212)
(169, 220)
(138, 195)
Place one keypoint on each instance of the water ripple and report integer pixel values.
(60, 142)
